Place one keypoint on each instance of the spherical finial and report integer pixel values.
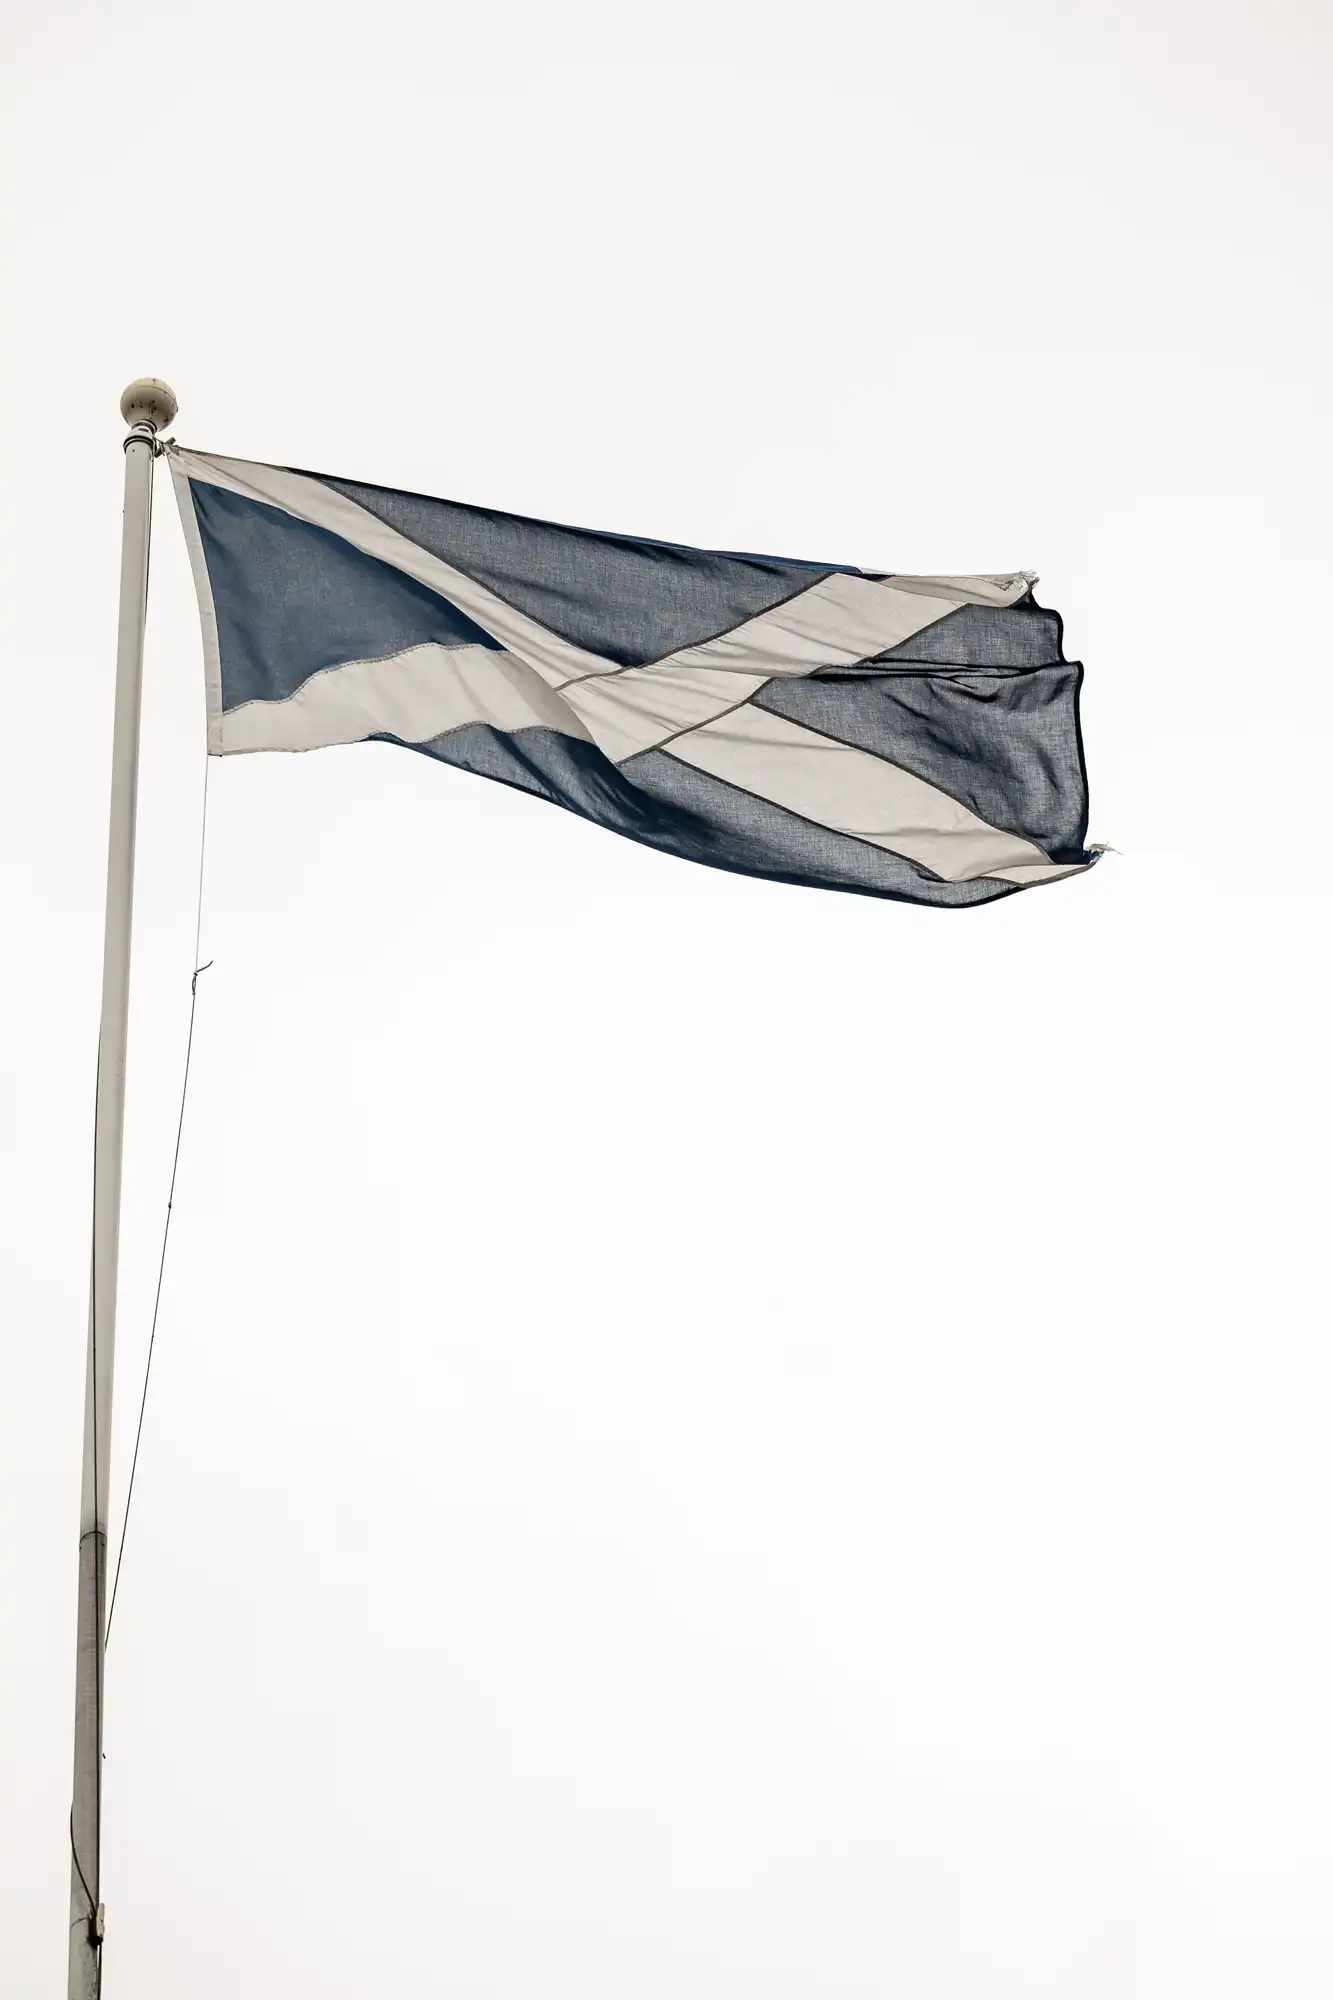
(148, 401)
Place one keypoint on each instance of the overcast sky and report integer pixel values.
(707, 1439)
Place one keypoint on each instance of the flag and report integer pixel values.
(914, 737)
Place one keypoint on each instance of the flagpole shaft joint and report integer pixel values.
(146, 405)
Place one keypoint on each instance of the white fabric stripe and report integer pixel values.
(634, 711)
(1051, 871)
(850, 791)
(309, 500)
(837, 621)
(416, 694)
(203, 590)
(1006, 589)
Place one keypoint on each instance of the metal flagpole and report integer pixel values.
(146, 407)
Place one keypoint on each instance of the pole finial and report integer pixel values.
(148, 401)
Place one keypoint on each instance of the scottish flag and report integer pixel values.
(903, 736)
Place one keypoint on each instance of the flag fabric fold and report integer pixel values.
(901, 736)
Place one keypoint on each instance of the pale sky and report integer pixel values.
(707, 1439)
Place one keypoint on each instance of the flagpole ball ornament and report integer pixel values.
(148, 401)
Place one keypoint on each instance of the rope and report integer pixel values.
(195, 977)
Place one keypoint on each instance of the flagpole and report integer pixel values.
(146, 407)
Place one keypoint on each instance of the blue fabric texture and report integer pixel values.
(292, 599)
(630, 600)
(1002, 742)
